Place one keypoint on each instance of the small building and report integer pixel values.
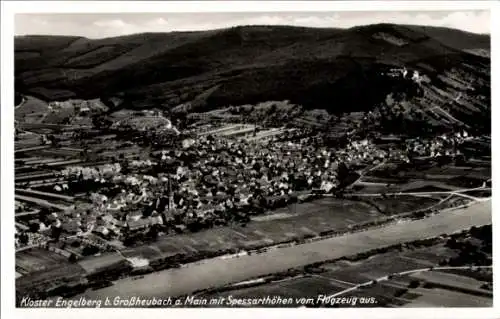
(102, 230)
(140, 223)
(84, 109)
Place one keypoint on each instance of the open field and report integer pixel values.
(369, 184)
(403, 204)
(447, 298)
(375, 267)
(218, 271)
(49, 278)
(224, 129)
(27, 140)
(383, 264)
(92, 264)
(30, 105)
(380, 180)
(450, 280)
(427, 186)
(369, 188)
(295, 222)
(62, 116)
(35, 259)
(396, 293)
(448, 175)
(44, 267)
(303, 287)
(432, 254)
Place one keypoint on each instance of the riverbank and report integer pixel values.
(215, 272)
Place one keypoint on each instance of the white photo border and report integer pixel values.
(10, 8)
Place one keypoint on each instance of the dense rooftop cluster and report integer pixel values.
(212, 181)
(442, 145)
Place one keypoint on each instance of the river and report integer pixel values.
(218, 272)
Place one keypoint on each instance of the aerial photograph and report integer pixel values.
(253, 159)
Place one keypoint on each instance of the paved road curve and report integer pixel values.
(218, 272)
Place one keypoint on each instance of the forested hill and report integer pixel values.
(336, 69)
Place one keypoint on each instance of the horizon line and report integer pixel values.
(251, 25)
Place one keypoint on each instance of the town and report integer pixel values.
(220, 175)
(84, 197)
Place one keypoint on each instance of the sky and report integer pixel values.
(93, 25)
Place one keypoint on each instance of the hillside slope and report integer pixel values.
(336, 69)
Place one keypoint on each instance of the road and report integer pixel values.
(217, 272)
(364, 172)
(403, 273)
(23, 100)
(458, 192)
